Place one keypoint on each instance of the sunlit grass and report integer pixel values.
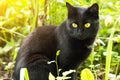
(109, 51)
(35, 18)
(15, 15)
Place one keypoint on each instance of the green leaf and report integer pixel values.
(24, 74)
(88, 1)
(51, 77)
(86, 74)
(58, 53)
(68, 72)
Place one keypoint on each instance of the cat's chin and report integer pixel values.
(82, 38)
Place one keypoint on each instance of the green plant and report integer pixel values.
(24, 74)
(20, 17)
(86, 74)
(109, 50)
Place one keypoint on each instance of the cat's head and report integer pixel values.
(82, 23)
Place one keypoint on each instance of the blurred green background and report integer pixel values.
(19, 17)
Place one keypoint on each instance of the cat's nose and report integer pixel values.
(79, 31)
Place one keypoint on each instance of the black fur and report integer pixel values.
(74, 43)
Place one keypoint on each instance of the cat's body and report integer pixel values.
(75, 44)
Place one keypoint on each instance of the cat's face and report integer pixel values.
(82, 23)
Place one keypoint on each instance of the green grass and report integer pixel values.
(16, 24)
(109, 51)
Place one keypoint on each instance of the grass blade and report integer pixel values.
(109, 50)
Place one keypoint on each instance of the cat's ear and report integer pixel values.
(71, 10)
(93, 11)
(94, 8)
(69, 6)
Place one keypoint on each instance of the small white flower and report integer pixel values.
(108, 20)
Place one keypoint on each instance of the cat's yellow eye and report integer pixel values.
(87, 25)
(74, 25)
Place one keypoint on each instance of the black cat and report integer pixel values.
(74, 38)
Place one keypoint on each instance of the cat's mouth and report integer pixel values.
(83, 37)
(80, 37)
